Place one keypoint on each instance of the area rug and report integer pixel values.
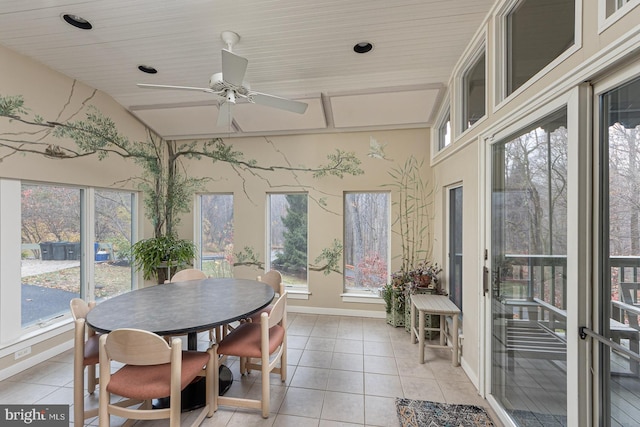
(422, 413)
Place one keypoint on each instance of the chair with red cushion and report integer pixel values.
(152, 369)
(265, 341)
(85, 355)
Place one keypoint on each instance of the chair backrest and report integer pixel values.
(278, 313)
(274, 279)
(80, 308)
(188, 274)
(138, 347)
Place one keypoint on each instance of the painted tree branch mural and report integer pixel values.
(167, 188)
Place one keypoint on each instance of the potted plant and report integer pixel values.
(160, 257)
(413, 219)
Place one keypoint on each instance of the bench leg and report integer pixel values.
(421, 323)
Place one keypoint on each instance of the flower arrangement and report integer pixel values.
(405, 283)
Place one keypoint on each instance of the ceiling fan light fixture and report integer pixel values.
(147, 69)
(77, 21)
(362, 47)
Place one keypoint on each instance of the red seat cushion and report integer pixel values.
(91, 351)
(244, 341)
(154, 381)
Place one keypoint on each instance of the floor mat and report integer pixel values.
(422, 413)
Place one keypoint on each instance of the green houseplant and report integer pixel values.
(160, 257)
(417, 273)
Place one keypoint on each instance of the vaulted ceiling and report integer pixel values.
(300, 50)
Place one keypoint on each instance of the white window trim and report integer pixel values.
(443, 111)
(12, 334)
(605, 21)
(499, 76)
(298, 290)
(497, 132)
(459, 89)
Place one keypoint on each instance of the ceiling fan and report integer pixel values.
(229, 85)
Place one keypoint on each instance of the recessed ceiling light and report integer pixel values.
(147, 69)
(77, 21)
(362, 47)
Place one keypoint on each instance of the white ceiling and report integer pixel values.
(297, 49)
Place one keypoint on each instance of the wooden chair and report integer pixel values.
(152, 370)
(266, 341)
(186, 275)
(194, 274)
(274, 279)
(85, 355)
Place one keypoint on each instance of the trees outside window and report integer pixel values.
(366, 241)
(52, 238)
(288, 231)
(216, 234)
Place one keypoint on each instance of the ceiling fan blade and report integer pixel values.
(277, 102)
(233, 67)
(224, 115)
(198, 89)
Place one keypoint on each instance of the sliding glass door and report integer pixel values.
(528, 279)
(616, 307)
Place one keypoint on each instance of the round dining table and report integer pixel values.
(184, 308)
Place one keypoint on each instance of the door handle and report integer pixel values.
(485, 281)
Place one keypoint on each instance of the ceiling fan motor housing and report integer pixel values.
(217, 84)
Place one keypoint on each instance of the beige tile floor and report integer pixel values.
(342, 371)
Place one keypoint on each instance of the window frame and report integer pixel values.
(11, 330)
(500, 61)
(605, 21)
(197, 226)
(290, 288)
(464, 69)
(444, 116)
(368, 292)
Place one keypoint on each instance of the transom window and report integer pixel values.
(474, 90)
(537, 32)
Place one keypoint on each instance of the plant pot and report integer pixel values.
(396, 316)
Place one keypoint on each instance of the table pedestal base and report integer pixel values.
(193, 396)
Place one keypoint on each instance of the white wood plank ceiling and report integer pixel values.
(297, 49)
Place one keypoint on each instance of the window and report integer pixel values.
(455, 246)
(114, 213)
(287, 237)
(613, 6)
(473, 101)
(216, 234)
(366, 241)
(54, 266)
(537, 32)
(444, 132)
(50, 252)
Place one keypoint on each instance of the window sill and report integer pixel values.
(297, 294)
(361, 298)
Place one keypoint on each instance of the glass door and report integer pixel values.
(617, 304)
(528, 283)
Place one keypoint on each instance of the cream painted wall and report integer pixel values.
(57, 98)
(461, 161)
(325, 222)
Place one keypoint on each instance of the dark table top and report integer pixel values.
(182, 307)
